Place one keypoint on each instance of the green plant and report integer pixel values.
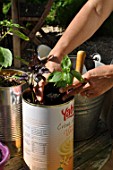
(65, 76)
(55, 80)
(6, 56)
(63, 11)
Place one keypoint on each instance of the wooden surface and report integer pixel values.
(91, 154)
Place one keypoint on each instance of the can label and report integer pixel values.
(48, 136)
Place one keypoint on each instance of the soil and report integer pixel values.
(9, 78)
(52, 96)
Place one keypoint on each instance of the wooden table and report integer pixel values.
(91, 154)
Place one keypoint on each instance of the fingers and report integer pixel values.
(39, 90)
(75, 89)
(87, 93)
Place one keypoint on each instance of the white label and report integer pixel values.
(48, 136)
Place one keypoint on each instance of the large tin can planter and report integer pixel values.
(11, 113)
(87, 114)
(48, 135)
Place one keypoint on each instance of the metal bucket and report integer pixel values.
(87, 113)
(48, 133)
(11, 114)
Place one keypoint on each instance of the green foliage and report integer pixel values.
(64, 77)
(63, 11)
(6, 7)
(5, 57)
(5, 54)
(36, 1)
(12, 28)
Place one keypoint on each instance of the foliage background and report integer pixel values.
(61, 14)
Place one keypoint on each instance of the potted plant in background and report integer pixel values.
(48, 126)
(11, 88)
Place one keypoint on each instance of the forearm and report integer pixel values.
(82, 27)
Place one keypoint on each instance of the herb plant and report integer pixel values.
(55, 80)
(65, 76)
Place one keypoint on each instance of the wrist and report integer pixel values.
(57, 53)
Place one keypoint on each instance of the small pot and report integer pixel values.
(5, 155)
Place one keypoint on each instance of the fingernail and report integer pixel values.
(63, 98)
(61, 90)
(39, 99)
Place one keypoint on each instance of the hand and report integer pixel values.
(98, 81)
(53, 63)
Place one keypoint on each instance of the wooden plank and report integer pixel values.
(16, 40)
(87, 152)
(29, 19)
(90, 154)
(93, 153)
(42, 19)
(32, 33)
(96, 162)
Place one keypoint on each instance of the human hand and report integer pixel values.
(97, 82)
(52, 64)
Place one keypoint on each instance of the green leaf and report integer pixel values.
(22, 60)
(20, 34)
(5, 57)
(65, 77)
(6, 8)
(55, 77)
(77, 75)
(69, 78)
(10, 24)
(60, 168)
(61, 83)
(66, 64)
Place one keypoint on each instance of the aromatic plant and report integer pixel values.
(55, 80)
(65, 76)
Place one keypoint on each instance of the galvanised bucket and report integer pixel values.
(87, 113)
(11, 114)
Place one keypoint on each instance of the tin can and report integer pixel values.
(11, 114)
(48, 135)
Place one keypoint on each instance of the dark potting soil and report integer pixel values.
(52, 96)
(9, 82)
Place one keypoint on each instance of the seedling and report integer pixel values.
(55, 80)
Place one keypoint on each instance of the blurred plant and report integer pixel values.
(63, 11)
(12, 29)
